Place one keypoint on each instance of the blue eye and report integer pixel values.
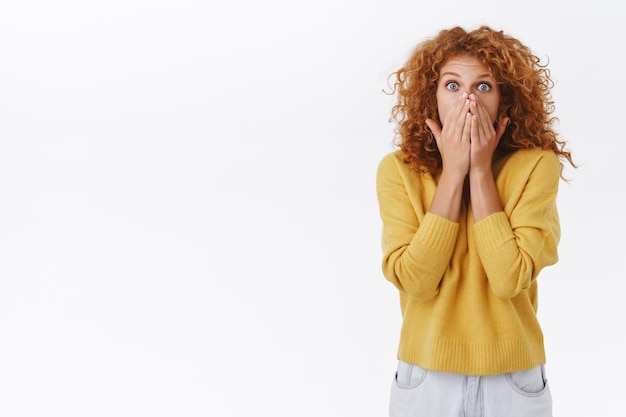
(452, 86)
(484, 87)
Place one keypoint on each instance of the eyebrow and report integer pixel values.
(454, 74)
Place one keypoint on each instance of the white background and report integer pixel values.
(188, 219)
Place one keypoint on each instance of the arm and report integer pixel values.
(484, 194)
(515, 242)
(453, 142)
(514, 245)
(417, 245)
(484, 141)
(447, 199)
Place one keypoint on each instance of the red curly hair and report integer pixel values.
(523, 81)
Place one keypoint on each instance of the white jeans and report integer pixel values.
(418, 392)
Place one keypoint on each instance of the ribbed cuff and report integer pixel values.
(493, 231)
(438, 233)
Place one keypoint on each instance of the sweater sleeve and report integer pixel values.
(514, 245)
(417, 245)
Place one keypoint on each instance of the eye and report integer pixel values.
(484, 87)
(452, 86)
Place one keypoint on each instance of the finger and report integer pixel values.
(461, 116)
(476, 135)
(476, 129)
(485, 128)
(434, 128)
(501, 126)
(467, 128)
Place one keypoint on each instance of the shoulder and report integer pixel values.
(391, 165)
(393, 169)
(529, 166)
(543, 160)
(528, 156)
(394, 163)
(395, 175)
(392, 172)
(391, 160)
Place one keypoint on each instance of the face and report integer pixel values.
(465, 74)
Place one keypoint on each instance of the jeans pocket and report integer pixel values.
(530, 382)
(409, 375)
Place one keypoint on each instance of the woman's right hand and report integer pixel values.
(453, 140)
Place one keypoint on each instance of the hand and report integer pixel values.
(453, 140)
(484, 138)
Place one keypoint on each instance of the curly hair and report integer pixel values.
(525, 94)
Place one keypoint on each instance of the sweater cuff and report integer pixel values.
(493, 231)
(438, 233)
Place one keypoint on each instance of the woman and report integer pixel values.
(468, 205)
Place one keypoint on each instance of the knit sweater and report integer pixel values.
(468, 290)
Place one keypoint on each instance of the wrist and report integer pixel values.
(454, 177)
(481, 172)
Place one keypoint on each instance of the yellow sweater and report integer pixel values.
(468, 291)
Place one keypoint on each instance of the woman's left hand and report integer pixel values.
(484, 137)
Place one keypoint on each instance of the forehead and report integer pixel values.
(465, 65)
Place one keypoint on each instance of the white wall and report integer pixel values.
(188, 221)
